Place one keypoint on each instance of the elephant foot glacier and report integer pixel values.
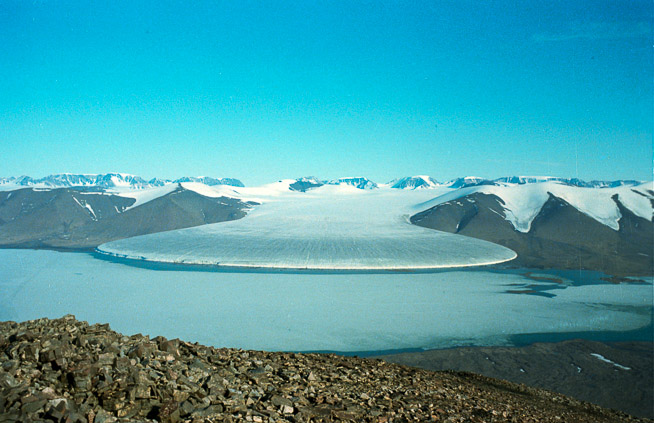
(329, 228)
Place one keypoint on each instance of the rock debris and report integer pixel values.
(64, 370)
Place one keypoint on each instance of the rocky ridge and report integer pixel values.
(72, 219)
(560, 236)
(64, 370)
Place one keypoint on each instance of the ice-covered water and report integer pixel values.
(303, 311)
(328, 228)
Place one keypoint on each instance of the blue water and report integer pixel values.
(313, 311)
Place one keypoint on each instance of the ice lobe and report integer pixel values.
(325, 229)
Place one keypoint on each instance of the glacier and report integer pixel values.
(333, 227)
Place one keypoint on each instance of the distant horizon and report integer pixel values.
(267, 91)
(377, 181)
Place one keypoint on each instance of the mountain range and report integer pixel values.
(128, 181)
(108, 180)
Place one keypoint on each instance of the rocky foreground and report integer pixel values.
(64, 370)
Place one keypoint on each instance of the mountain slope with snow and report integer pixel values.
(551, 224)
(306, 183)
(521, 180)
(523, 202)
(73, 219)
(414, 182)
(467, 181)
(357, 182)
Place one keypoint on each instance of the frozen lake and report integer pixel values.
(310, 312)
(332, 227)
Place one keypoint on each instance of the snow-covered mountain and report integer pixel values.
(522, 180)
(521, 203)
(357, 182)
(157, 182)
(413, 182)
(306, 183)
(553, 224)
(107, 181)
(130, 182)
(467, 182)
(211, 181)
(116, 180)
(61, 180)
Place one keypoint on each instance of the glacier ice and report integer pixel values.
(331, 227)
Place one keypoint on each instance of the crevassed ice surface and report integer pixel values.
(332, 227)
(301, 312)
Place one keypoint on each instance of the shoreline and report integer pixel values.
(510, 265)
(496, 267)
(641, 335)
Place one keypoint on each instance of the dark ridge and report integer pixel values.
(560, 235)
(67, 218)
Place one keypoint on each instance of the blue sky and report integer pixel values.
(267, 90)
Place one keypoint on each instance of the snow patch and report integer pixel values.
(146, 195)
(606, 360)
(83, 204)
(211, 191)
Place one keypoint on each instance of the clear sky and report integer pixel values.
(266, 90)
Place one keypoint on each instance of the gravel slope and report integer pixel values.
(578, 368)
(65, 370)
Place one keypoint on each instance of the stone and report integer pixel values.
(286, 409)
(47, 355)
(104, 417)
(8, 381)
(106, 359)
(33, 406)
(142, 391)
(276, 400)
(186, 408)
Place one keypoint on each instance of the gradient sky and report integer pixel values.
(267, 90)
